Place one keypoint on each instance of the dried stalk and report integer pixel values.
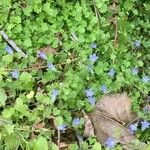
(115, 21)
(12, 43)
(39, 67)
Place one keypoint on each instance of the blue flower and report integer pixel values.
(111, 72)
(51, 66)
(94, 45)
(104, 89)
(110, 142)
(132, 128)
(15, 74)
(145, 79)
(135, 71)
(54, 94)
(137, 43)
(92, 100)
(145, 124)
(75, 122)
(9, 50)
(42, 55)
(62, 127)
(93, 58)
(89, 92)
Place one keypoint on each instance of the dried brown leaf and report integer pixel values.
(63, 145)
(48, 50)
(39, 125)
(88, 127)
(117, 107)
(106, 127)
(109, 113)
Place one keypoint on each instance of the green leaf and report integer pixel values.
(25, 77)
(97, 146)
(3, 97)
(7, 59)
(72, 147)
(43, 98)
(146, 44)
(54, 146)
(40, 144)
(9, 128)
(128, 5)
(11, 142)
(7, 113)
(140, 63)
(103, 9)
(28, 42)
(58, 120)
(56, 111)
(21, 107)
(30, 95)
(28, 10)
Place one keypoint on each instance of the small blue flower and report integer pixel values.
(110, 142)
(111, 72)
(132, 128)
(75, 122)
(15, 74)
(51, 66)
(90, 68)
(89, 92)
(62, 127)
(92, 100)
(135, 71)
(42, 55)
(145, 79)
(137, 43)
(104, 89)
(94, 45)
(54, 94)
(93, 58)
(145, 124)
(9, 50)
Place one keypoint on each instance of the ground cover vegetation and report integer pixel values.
(74, 52)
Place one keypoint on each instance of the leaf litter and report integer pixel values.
(109, 118)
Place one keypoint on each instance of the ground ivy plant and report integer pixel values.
(46, 91)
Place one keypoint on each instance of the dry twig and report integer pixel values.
(12, 43)
(115, 21)
(39, 67)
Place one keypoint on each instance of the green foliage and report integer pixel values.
(3, 97)
(71, 27)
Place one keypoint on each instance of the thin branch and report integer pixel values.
(39, 67)
(12, 43)
(96, 11)
(58, 136)
(116, 33)
(115, 21)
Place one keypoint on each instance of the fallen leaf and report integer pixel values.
(39, 125)
(48, 50)
(117, 106)
(62, 145)
(110, 112)
(106, 127)
(88, 127)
